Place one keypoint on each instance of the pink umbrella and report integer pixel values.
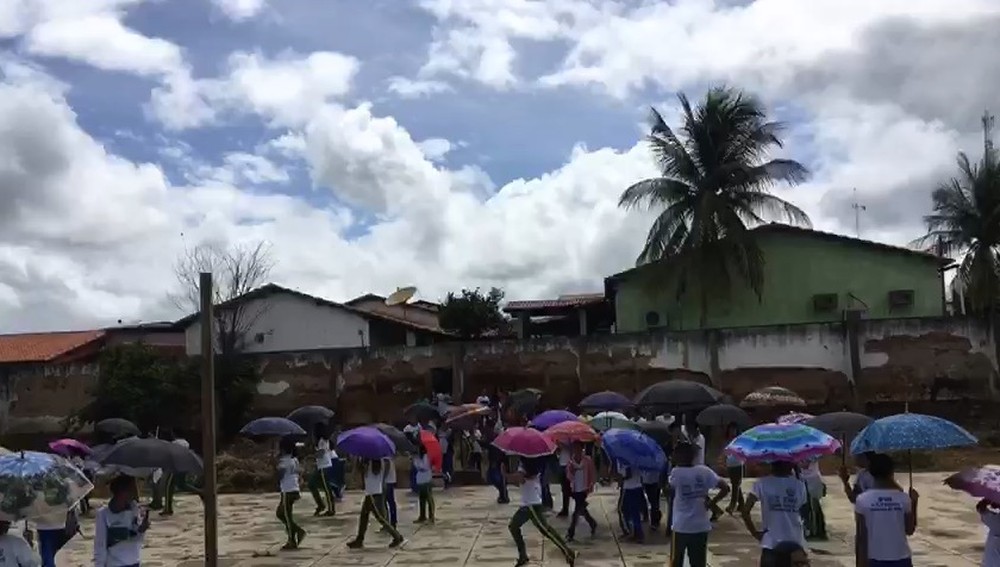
(70, 448)
(982, 482)
(524, 442)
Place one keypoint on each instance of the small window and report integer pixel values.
(900, 298)
(825, 302)
(652, 319)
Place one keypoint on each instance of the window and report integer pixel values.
(825, 302)
(900, 299)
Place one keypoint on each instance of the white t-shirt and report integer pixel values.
(531, 490)
(813, 478)
(15, 552)
(483, 400)
(288, 467)
(649, 477)
(579, 481)
(632, 481)
(884, 511)
(564, 456)
(781, 500)
(390, 471)
(373, 481)
(123, 528)
(991, 551)
(691, 486)
(477, 436)
(411, 429)
(323, 458)
(864, 482)
(422, 464)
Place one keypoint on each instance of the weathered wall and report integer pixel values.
(43, 396)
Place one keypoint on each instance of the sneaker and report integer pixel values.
(563, 514)
(301, 535)
(355, 544)
(397, 542)
(521, 561)
(593, 531)
(289, 546)
(569, 538)
(329, 513)
(420, 521)
(319, 510)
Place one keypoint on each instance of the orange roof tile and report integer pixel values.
(43, 347)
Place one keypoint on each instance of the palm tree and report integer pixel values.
(966, 221)
(713, 188)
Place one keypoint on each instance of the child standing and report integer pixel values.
(782, 498)
(689, 485)
(288, 473)
(322, 478)
(425, 478)
(651, 489)
(495, 463)
(886, 516)
(632, 501)
(120, 527)
(447, 453)
(531, 510)
(581, 474)
(991, 519)
(390, 489)
(374, 505)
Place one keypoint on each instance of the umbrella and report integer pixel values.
(4, 451)
(37, 485)
(792, 442)
(607, 420)
(605, 401)
(466, 416)
(398, 438)
(308, 417)
(910, 432)
(795, 417)
(676, 396)
(271, 427)
(93, 464)
(981, 482)
(572, 432)
(70, 448)
(524, 402)
(524, 442)
(548, 418)
(634, 448)
(658, 430)
(840, 424)
(433, 447)
(422, 411)
(152, 453)
(117, 428)
(773, 396)
(366, 442)
(723, 415)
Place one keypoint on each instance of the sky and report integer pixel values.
(444, 144)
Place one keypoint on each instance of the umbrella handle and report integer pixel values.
(909, 463)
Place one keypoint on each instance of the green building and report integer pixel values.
(809, 277)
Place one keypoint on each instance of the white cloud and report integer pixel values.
(435, 149)
(240, 10)
(411, 88)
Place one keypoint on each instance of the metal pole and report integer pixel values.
(208, 421)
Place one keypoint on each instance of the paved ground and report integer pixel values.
(472, 530)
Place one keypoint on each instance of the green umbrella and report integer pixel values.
(611, 420)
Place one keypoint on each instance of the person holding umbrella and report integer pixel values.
(886, 517)
(288, 472)
(374, 504)
(984, 483)
(529, 476)
(783, 500)
(425, 478)
(322, 477)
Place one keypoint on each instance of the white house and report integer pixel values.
(284, 320)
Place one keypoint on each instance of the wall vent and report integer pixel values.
(825, 302)
(900, 298)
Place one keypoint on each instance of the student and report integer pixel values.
(529, 476)
(54, 532)
(582, 474)
(412, 430)
(288, 473)
(863, 482)
(694, 436)
(337, 475)
(425, 479)
(321, 479)
(689, 484)
(564, 482)
(120, 527)
(815, 521)
(14, 551)
(374, 505)
(447, 453)
(734, 470)
(495, 473)
(176, 481)
(632, 501)
(886, 516)
(990, 517)
(390, 489)
(651, 488)
(782, 498)
(476, 450)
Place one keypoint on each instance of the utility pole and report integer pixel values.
(209, 492)
(988, 122)
(858, 208)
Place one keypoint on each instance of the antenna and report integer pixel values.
(400, 297)
(858, 208)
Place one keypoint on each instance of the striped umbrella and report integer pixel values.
(793, 442)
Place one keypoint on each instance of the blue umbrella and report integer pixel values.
(272, 427)
(366, 442)
(634, 448)
(34, 485)
(605, 401)
(910, 432)
(548, 418)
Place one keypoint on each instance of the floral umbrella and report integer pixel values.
(36, 485)
(773, 396)
(981, 482)
(795, 417)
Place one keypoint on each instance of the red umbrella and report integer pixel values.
(524, 442)
(572, 431)
(430, 442)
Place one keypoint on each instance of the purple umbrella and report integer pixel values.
(548, 418)
(982, 482)
(70, 448)
(366, 442)
(605, 401)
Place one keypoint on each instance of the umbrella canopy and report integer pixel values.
(841, 424)
(605, 401)
(70, 448)
(676, 396)
(403, 443)
(433, 447)
(771, 397)
(572, 432)
(634, 448)
(792, 442)
(548, 418)
(149, 452)
(421, 411)
(366, 442)
(308, 417)
(981, 482)
(524, 402)
(608, 420)
(911, 432)
(272, 427)
(93, 464)
(658, 430)
(524, 442)
(4, 451)
(724, 415)
(37, 485)
(117, 428)
(467, 416)
(795, 417)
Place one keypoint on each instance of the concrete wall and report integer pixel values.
(797, 266)
(42, 396)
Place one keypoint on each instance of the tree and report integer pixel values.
(472, 313)
(966, 221)
(713, 188)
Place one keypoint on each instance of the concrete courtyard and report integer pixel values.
(471, 529)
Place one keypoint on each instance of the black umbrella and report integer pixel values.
(308, 417)
(658, 430)
(605, 401)
(524, 402)
(723, 415)
(271, 427)
(152, 453)
(676, 396)
(841, 424)
(117, 428)
(422, 411)
(402, 442)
